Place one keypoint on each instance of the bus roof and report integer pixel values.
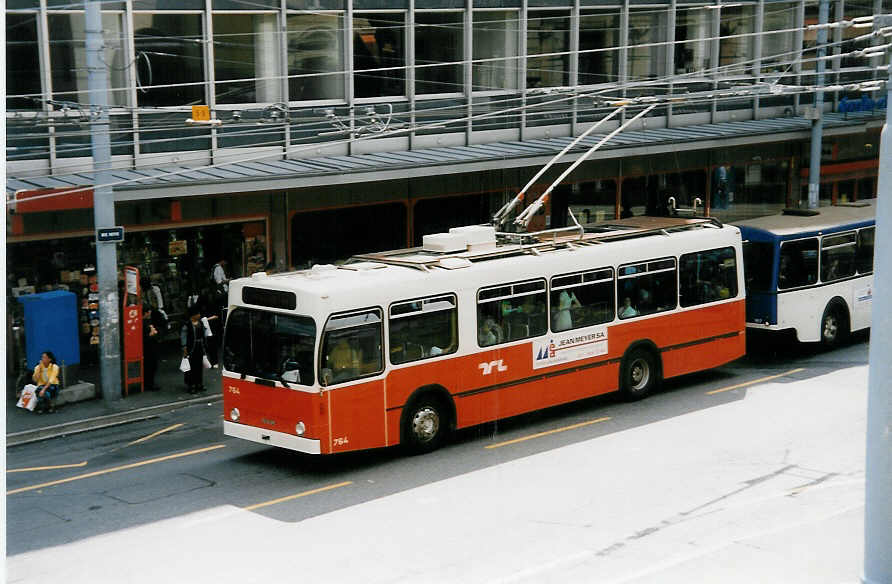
(826, 219)
(413, 271)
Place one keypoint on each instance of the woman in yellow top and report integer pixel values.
(46, 377)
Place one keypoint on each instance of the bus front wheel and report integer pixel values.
(639, 374)
(425, 424)
(834, 326)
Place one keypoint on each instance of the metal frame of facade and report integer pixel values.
(54, 163)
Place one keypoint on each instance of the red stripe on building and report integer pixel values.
(54, 200)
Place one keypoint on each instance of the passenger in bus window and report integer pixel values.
(563, 319)
(509, 308)
(644, 300)
(832, 270)
(344, 361)
(783, 272)
(489, 333)
(627, 309)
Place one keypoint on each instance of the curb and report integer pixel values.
(99, 422)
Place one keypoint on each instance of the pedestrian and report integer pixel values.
(151, 341)
(220, 299)
(192, 339)
(46, 377)
(221, 282)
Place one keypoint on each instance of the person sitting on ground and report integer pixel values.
(46, 377)
(627, 310)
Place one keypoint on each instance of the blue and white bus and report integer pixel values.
(810, 271)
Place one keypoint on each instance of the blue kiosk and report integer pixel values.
(51, 325)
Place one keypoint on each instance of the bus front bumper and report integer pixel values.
(271, 437)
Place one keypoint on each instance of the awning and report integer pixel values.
(280, 174)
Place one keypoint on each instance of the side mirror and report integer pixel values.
(292, 372)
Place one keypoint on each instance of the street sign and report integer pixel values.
(201, 113)
(110, 234)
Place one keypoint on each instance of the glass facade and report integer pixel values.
(68, 57)
(246, 58)
(379, 54)
(496, 46)
(280, 74)
(779, 37)
(315, 56)
(647, 44)
(598, 47)
(168, 59)
(691, 51)
(439, 38)
(548, 36)
(736, 47)
(23, 89)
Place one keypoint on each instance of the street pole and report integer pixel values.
(878, 470)
(817, 122)
(103, 205)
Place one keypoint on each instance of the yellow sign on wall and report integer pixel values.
(201, 113)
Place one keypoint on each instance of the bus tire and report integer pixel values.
(834, 325)
(426, 422)
(639, 373)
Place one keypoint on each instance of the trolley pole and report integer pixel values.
(878, 479)
(103, 205)
(817, 122)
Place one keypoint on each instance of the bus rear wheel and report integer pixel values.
(639, 374)
(834, 326)
(425, 425)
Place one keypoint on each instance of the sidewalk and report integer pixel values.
(23, 426)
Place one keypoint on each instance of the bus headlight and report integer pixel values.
(300, 428)
(234, 415)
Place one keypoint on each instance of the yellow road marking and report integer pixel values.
(33, 468)
(114, 469)
(150, 436)
(755, 381)
(297, 496)
(540, 434)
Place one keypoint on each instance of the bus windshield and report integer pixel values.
(270, 345)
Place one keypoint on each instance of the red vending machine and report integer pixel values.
(131, 312)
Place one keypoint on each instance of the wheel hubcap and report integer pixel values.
(426, 424)
(640, 373)
(830, 328)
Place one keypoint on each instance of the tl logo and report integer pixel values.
(546, 351)
(488, 367)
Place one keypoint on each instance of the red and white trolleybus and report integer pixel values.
(401, 347)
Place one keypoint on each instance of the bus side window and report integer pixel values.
(511, 312)
(646, 288)
(581, 300)
(708, 276)
(838, 256)
(864, 253)
(351, 347)
(798, 263)
(423, 328)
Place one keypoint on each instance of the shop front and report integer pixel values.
(175, 261)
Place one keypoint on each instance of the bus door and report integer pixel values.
(352, 361)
